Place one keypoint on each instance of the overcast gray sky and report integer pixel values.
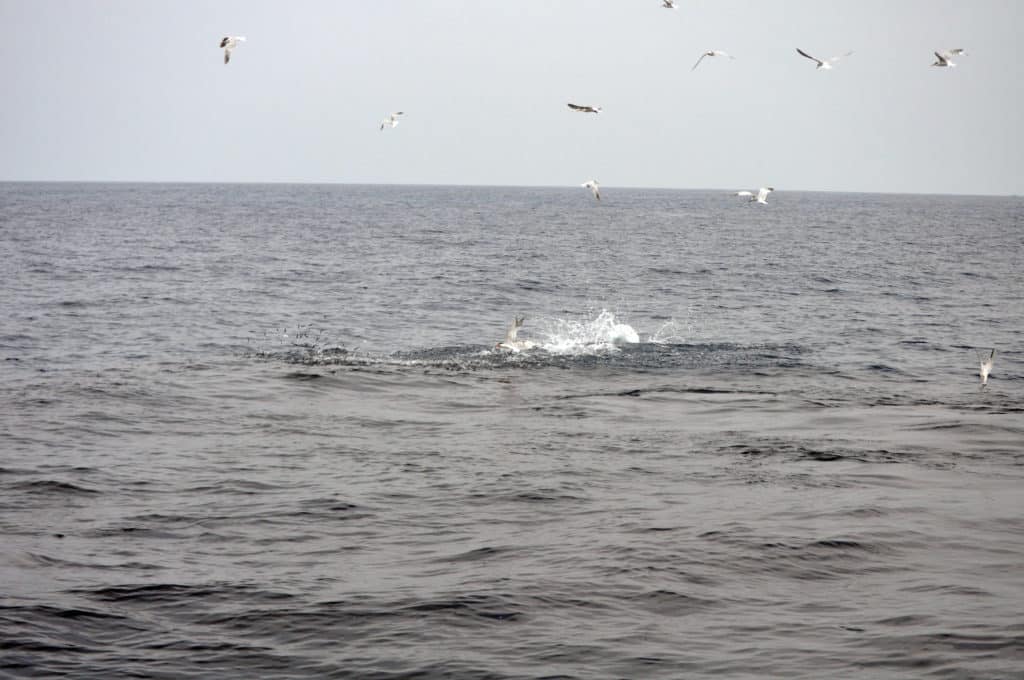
(136, 90)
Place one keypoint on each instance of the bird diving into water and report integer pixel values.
(511, 343)
(760, 197)
(986, 366)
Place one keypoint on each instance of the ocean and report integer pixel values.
(264, 431)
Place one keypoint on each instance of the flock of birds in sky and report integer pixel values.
(760, 196)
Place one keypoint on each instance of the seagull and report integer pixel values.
(761, 196)
(510, 342)
(986, 367)
(391, 121)
(946, 58)
(825, 64)
(669, 4)
(228, 43)
(594, 187)
(711, 53)
(585, 109)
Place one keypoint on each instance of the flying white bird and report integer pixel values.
(594, 187)
(230, 42)
(391, 121)
(824, 64)
(668, 4)
(760, 197)
(510, 342)
(711, 53)
(585, 109)
(986, 367)
(946, 58)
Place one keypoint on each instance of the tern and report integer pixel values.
(230, 42)
(824, 64)
(669, 4)
(594, 187)
(986, 367)
(510, 342)
(585, 109)
(760, 197)
(711, 53)
(391, 121)
(946, 58)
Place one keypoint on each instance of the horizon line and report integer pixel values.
(482, 186)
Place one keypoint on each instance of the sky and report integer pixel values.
(136, 90)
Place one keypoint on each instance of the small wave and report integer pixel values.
(174, 593)
(479, 607)
(53, 486)
(477, 555)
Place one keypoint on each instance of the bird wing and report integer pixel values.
(841, 56)
(762, 193)
(575, 107)
(513, 329)
(804, 54)
(744, 193)
(224, 41)
(699, 60)
(227, 55)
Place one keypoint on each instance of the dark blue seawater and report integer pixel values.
(264, 432)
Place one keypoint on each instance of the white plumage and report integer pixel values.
(760, 197)
(711, 53)
(230, 42)
(391, 121)
(823, 64)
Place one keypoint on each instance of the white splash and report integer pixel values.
(672, 333)
(603, 334)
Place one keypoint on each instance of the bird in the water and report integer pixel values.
(986, 366)
(594, 187)
(760, 197)
(511, 343)
(230, 42)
